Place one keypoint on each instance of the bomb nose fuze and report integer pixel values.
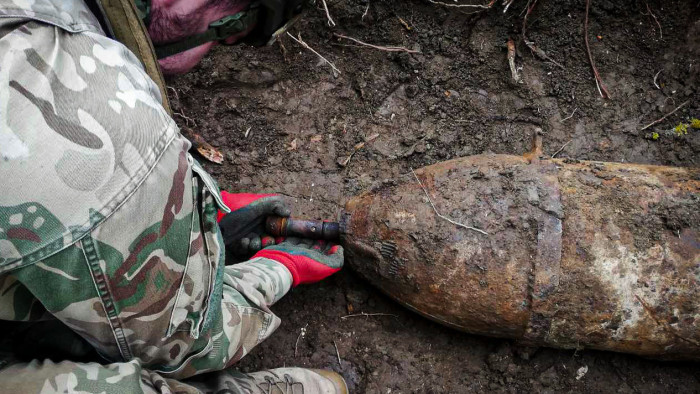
(565, 254)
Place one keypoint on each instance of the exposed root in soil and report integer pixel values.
(187, 119)
(570, 116)
(534, 48)
(305, 45)
(511, 61)
(337, 353)
(661, 33)
(661, 119)
(598, 80)
(563, 146)
(656, 76)
(302, 333)
(482, 6)
(378, 47)
(361, 314)
(507, 4)
(331, 22)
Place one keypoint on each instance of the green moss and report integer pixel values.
(695, 123)
(681, 129)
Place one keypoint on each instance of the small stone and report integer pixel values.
(532, 195)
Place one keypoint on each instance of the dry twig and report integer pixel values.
(381, 48)
(482, 6)
(331, 22)
(598, 80)
(404, 23)
(302, 333)
(283, 49)
(665, 116)
(368, 315)
(562, 148)
(508, 3)
(337, 353)
(655, 77)
(186, 118)
(570, 116)
(366, 11)
(440, 215)
(661, 33)
(177, 96)
(530, 44)
(511, 61)
(305, 45)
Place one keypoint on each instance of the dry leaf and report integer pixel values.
(316, 138)
(343, 160)
(211, 154)
(406, 25)
(202, 146)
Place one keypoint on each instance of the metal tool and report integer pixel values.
(303, 228)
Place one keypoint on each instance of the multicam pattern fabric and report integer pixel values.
(106, 221)
(79, 118)
(131, 377)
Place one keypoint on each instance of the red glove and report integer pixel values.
(308, 261)
(243, 228)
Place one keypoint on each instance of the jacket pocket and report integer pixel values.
(198, 301)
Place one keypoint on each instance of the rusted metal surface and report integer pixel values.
(578, 254)
(303, 228)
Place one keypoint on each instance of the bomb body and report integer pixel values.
(578, 254)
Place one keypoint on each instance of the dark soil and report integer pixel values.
(455, 98)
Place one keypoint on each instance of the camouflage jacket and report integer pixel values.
(106, 222)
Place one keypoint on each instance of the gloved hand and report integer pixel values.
(309, 261)
(243, 229)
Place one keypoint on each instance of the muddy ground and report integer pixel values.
(455, 98)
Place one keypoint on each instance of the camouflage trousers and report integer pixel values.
(147, 289)
(87, 378)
